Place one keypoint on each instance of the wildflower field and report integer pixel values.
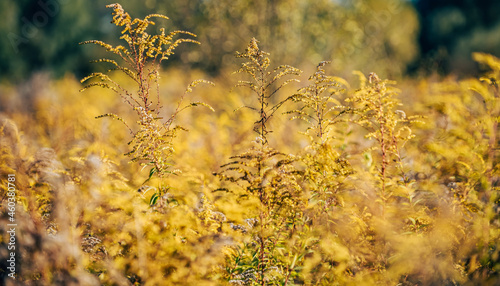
(244, 156)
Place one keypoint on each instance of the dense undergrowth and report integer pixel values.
(272, 182)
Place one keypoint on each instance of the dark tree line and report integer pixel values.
(451, 30)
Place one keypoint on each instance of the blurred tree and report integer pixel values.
(360, 34)
(452, 30)
(43, 35)
(377, 36)
(355, 34)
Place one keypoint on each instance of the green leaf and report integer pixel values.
(154, 199)
(153, 171)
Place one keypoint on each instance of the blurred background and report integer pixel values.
(391, 37)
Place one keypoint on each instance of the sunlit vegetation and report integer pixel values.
(266, 176)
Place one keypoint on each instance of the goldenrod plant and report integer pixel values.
(266, 176)
(467, 153)
(142, 58)
(321, 109)
(319, 103)
(375, 109)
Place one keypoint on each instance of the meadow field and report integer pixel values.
(263, 147)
